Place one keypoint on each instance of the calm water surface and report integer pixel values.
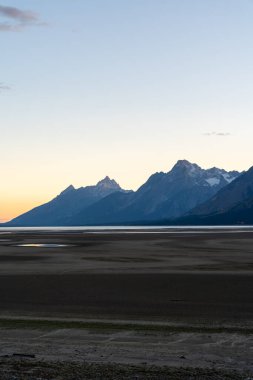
(131, 229)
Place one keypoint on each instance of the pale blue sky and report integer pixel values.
(122, 88)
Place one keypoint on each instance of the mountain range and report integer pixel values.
(233, 204)
(67, 204)
(187, 194)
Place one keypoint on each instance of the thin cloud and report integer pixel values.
(217, 134)
(5, 27)
(18, 14)
(18, 19)
(4, 87)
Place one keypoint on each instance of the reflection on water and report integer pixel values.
(49, 245)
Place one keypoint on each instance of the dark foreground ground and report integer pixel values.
(22, 370)
(186, 277)
(183, 297)
(190, 291)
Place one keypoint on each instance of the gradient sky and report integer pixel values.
(123, 88)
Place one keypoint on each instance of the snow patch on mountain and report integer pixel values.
(228, 178)
(213, 181)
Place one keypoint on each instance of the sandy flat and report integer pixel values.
(202, 350)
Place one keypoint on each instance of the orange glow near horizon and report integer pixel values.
(15, 207)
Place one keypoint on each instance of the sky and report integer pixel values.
(123, 88)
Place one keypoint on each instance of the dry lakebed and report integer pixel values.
(126, 304)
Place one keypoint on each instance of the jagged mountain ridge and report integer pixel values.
(238, 191)
(163, 196)
(67, 204)
(182, 188)
(231, 205)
